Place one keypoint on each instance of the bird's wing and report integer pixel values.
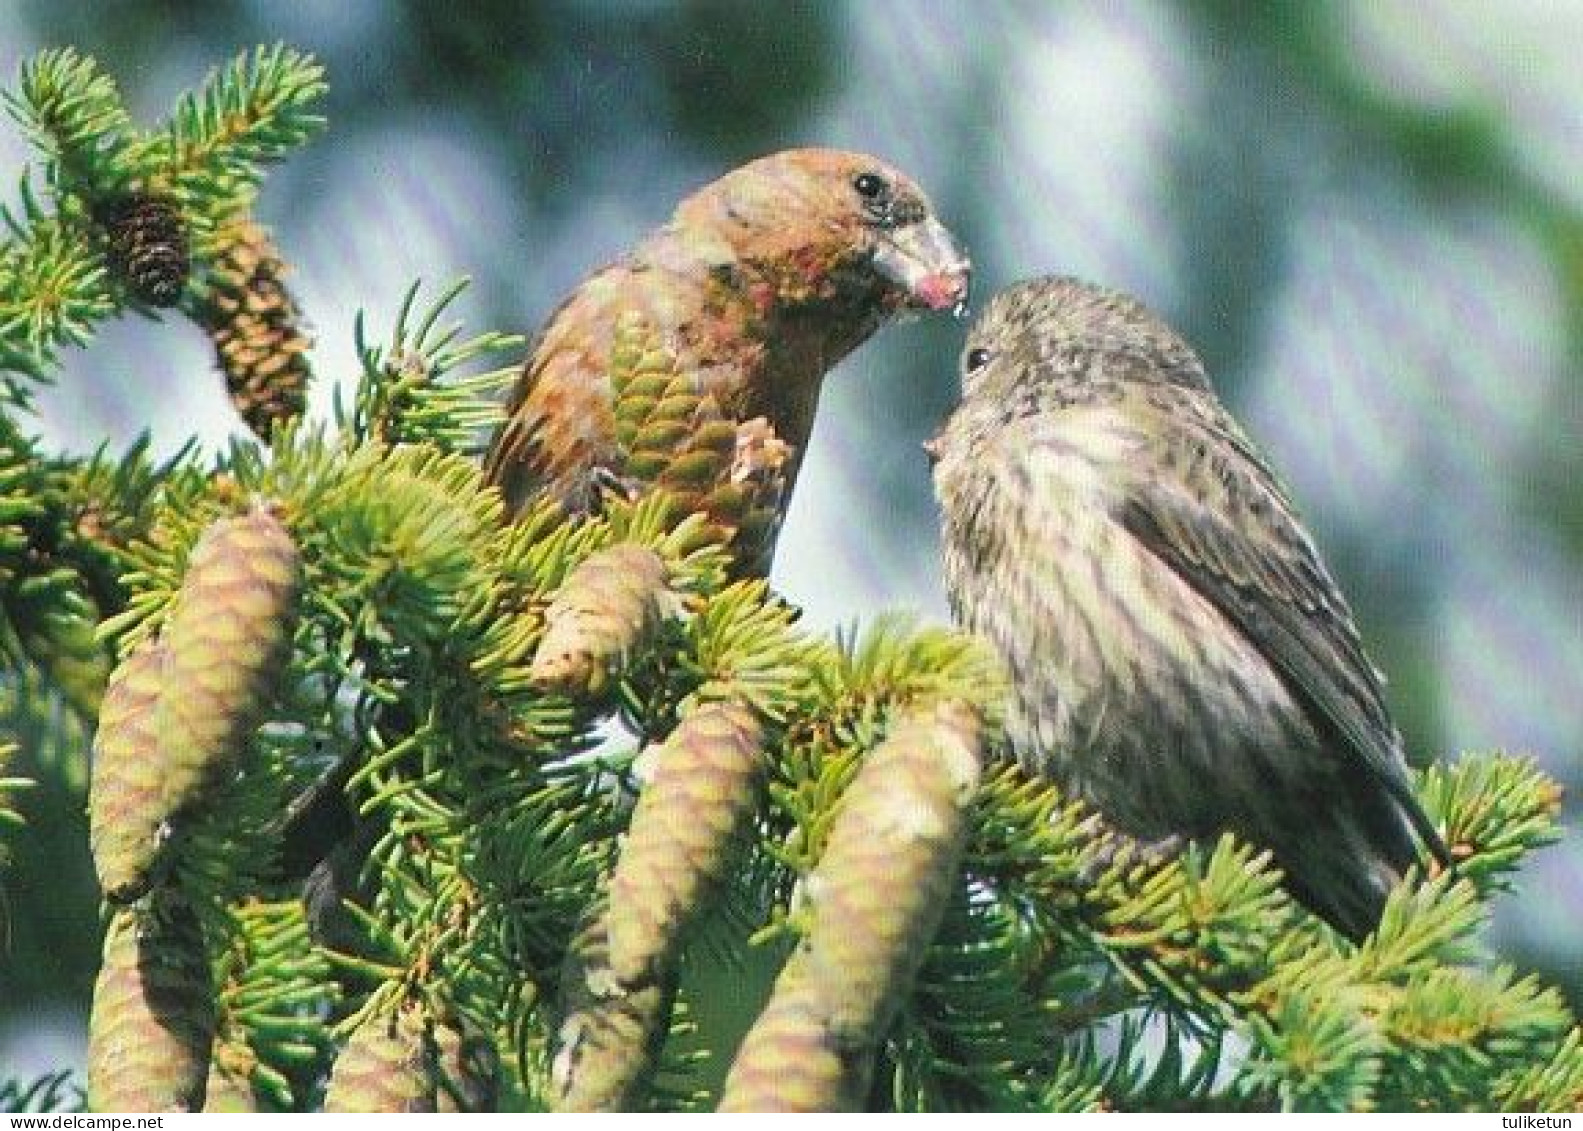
(1273, 586)
(559, 428)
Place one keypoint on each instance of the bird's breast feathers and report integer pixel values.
(1065, 459)
(1038, 563)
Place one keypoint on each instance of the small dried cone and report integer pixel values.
(702, 785)
(467, 1069)
(148, 248)
(230, 1087)
(602, 610)
(875, 901)
(126, 797)
(225, 644)
(256, 327)
(386, 1065)
(153, 1013)
(887, 870)
(611, 1034)
(789, 1061)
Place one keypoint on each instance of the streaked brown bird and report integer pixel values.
(760, 283)
(1180, 654)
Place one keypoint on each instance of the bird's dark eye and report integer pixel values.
(871, 187)
(977, 358)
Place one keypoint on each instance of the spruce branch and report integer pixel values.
(1495, 810)
(271, 996)
(53, 291)
(71, 110)
(247, 114)
(1552, 1085)
(406, 392)
(10, 818)
(52, 1091)
(126, 204)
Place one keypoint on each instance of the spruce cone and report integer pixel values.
(670, 434)
(690, 457)
(701, 789)
(230, 1087)
(148, 248)
(875, 899)
(680, 440)
(225, 643)
(611, 1034)
(126, 800)
(789, 1061)
(467, 1069)
(386, 1065)
(256, 328)
(887, 870)
(603, 609)
(642, 374)
(761, 467)
(153, 1013)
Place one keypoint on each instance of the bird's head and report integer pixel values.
(823, 227)
(1056, 339)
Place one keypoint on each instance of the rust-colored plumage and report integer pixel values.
(759, 284)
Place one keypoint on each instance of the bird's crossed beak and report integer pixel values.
(926, 264)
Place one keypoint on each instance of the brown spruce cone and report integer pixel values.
(387, 1065)
(148, 248)
(226, 641)
(702, 784)
(603, 609)
(607, 1043)
(789, 1061)
(256, 327)
(153, 1015)
(126, 800)
(874, 902)
(230, 1087)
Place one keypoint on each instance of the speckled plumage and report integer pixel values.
(759, 284)
(1179, 652)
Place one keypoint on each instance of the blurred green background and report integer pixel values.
(1368, 216)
